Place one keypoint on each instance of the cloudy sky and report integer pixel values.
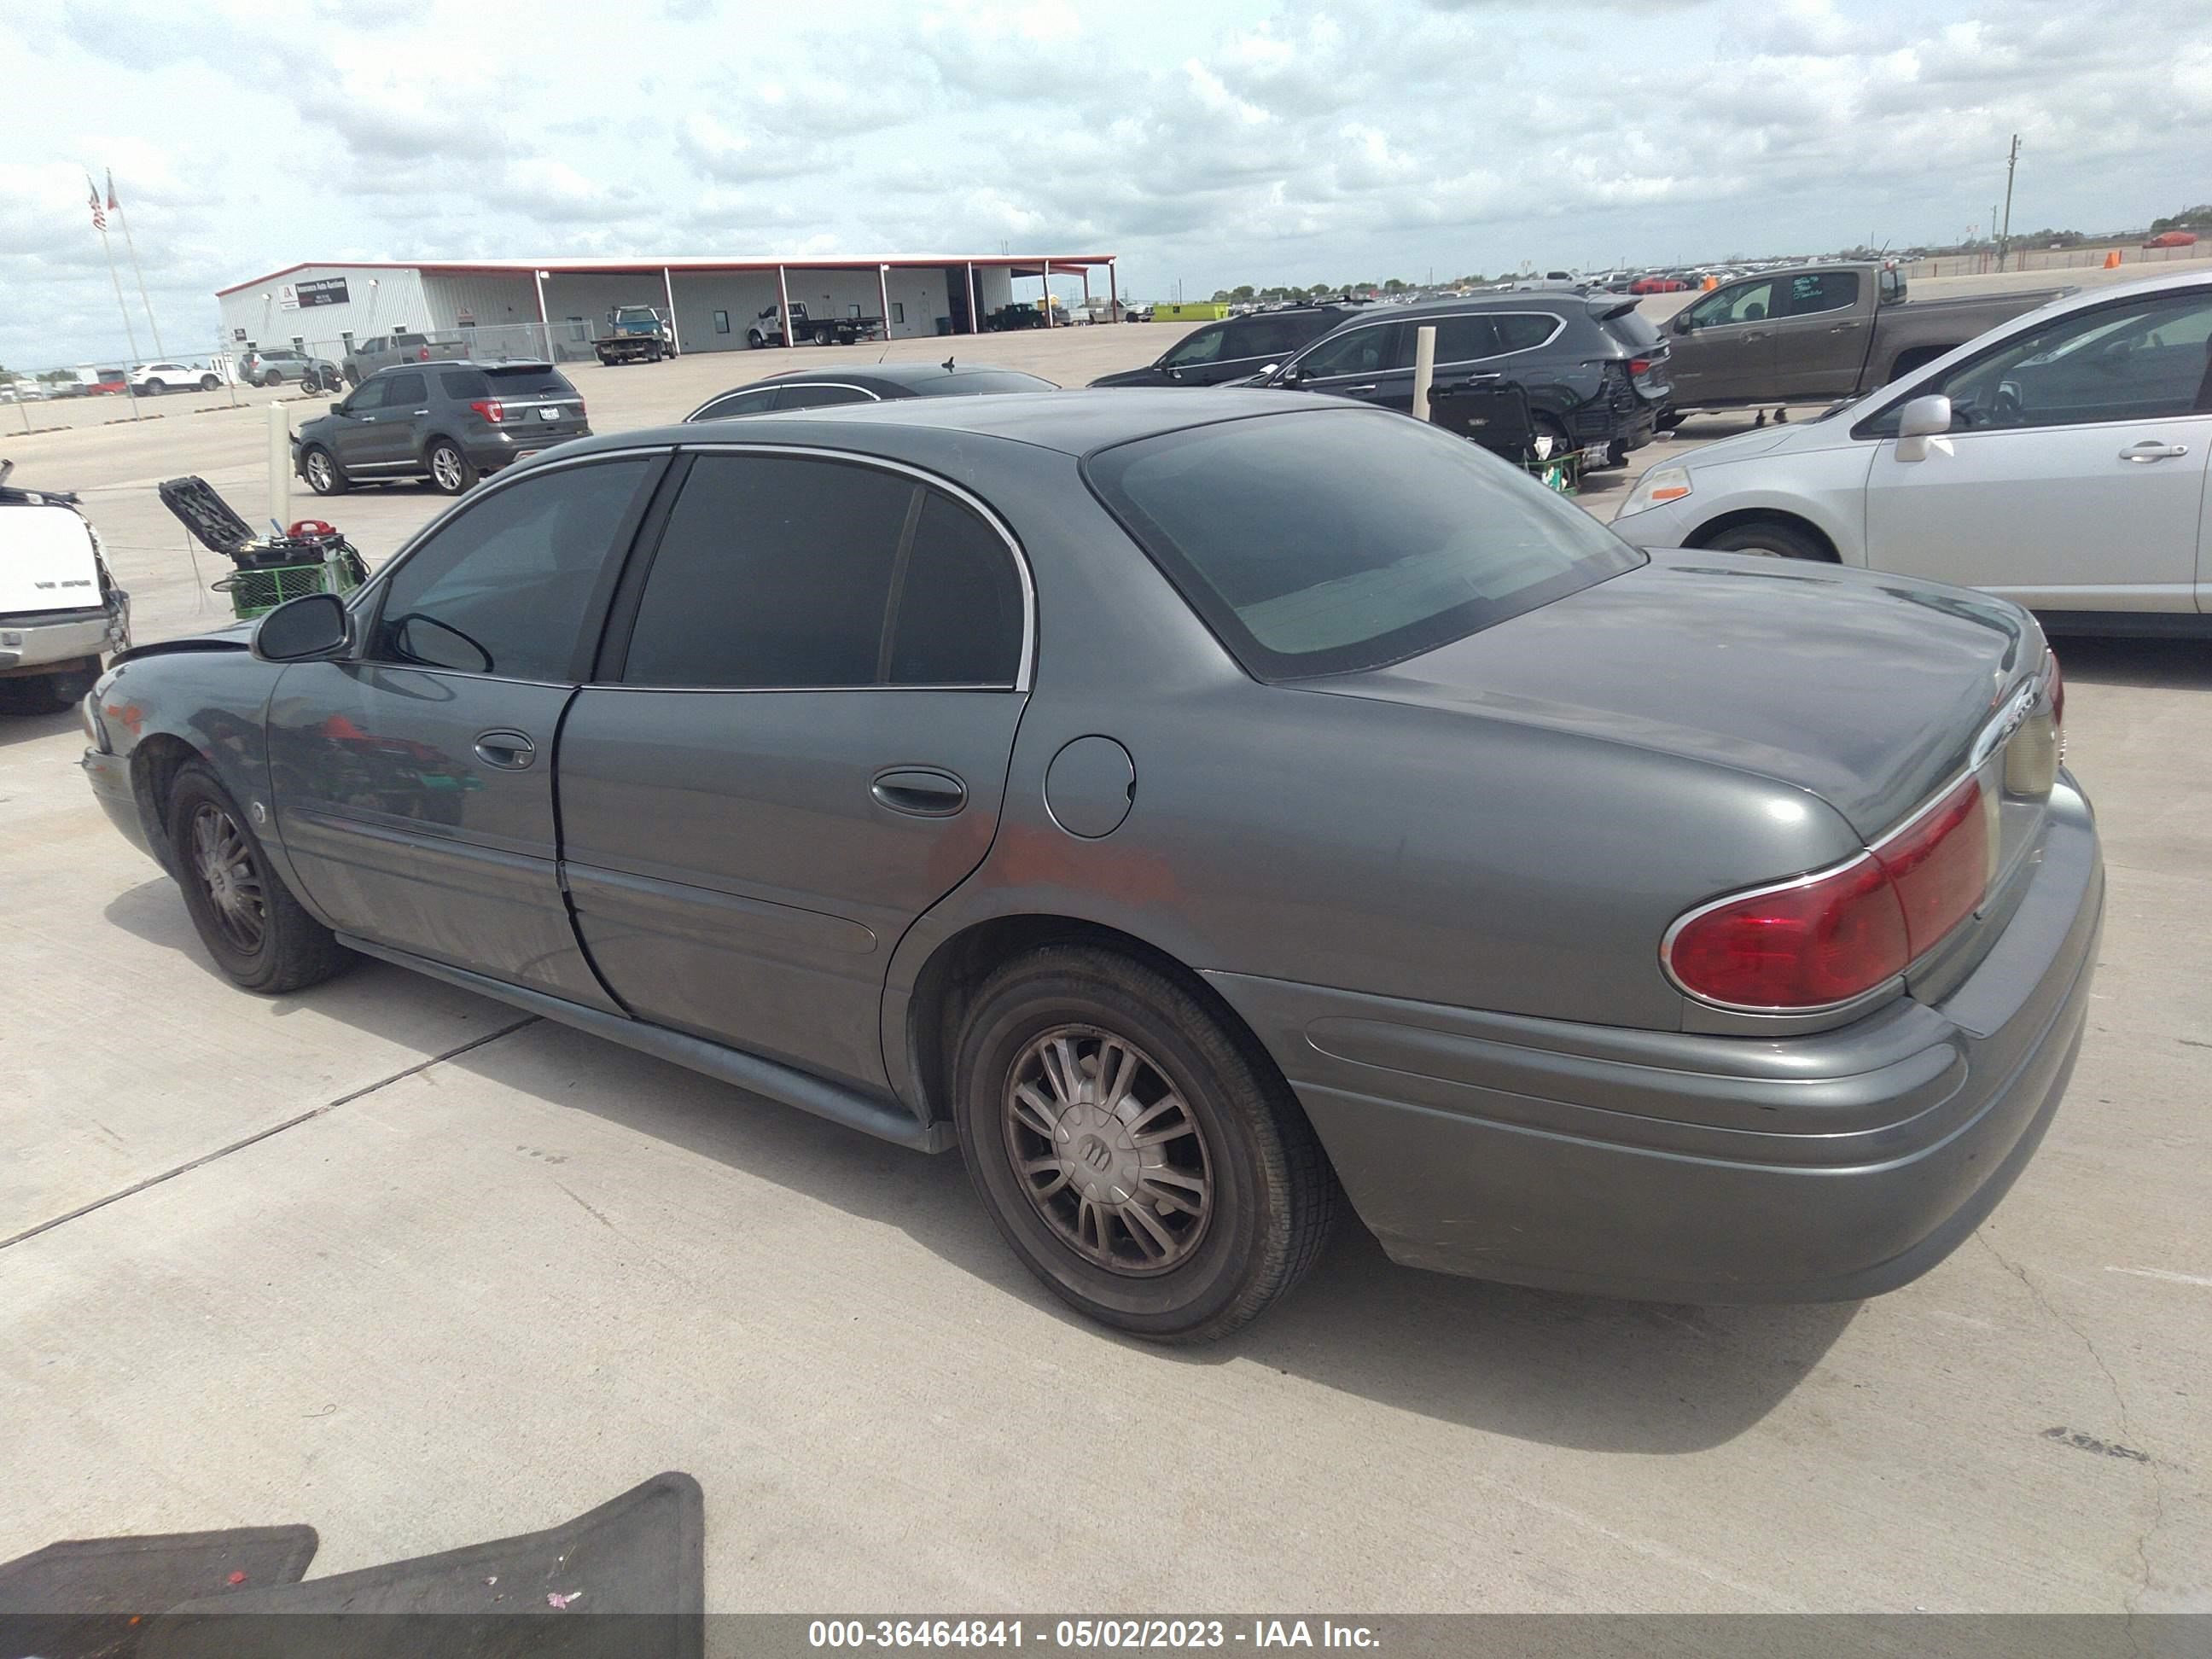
(1211, 144)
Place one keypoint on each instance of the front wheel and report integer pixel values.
(450, 470)
(247, 917)
(1142, 1159)
(755, 338)
(325, 475)
(1773, 538)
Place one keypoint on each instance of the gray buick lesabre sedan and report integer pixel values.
(1204, 810)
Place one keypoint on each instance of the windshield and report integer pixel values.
(1324, 543)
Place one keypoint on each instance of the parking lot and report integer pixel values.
(418, 1270)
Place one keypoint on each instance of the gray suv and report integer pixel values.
(448, 422)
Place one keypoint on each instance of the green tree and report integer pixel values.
(1395, 285)
(2189, 218)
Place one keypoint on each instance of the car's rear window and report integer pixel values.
(527, 380)
(991, 380)
(1319, 542)
(1633, 329)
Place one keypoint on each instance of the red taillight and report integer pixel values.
(1829, 937)
(1639, 367)
(491, 409)
(1821, 940)
(422, 354)
(1941, 866)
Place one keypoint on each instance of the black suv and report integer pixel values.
(448, 422)
(1594, 367)
(1235, 348)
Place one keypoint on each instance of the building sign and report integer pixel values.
(286, 299)
(323, 291)
(238, 334)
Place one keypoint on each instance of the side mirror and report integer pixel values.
(1175, 374)
(302, 629)
(1919, 421)
(1682, 324)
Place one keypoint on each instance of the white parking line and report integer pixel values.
(2160, 1273)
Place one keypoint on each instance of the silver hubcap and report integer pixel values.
(1107, 1152)
(445, 468)
(225, 865)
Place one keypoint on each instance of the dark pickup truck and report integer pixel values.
(1820, 333)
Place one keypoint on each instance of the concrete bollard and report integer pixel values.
(1424, 367)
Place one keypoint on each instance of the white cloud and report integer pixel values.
(1245, 140)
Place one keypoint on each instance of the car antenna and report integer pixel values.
(946, 364)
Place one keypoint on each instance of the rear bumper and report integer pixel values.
(488, 451)
(31, 642)
(1676, 1167)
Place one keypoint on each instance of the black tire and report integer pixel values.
(1268, 1196)
(254, 929)
(272, 379)
(151, 388)
(1775, 538)
(450, 472)
(755, 339)
(1670, 419)
(209, 383)
(324, 474)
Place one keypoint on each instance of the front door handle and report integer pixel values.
(920, 791)
(2151, 450)
(1354, 391)
(510, 751)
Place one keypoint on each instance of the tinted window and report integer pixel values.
(1271, 336)
(504, 588)
(985, 380)
(959, 616)
(529, 380)
(1633, 329)
(408, 388)
(819, 397)
(772, 572)
(1461, 339)
(1522, 330)
(370, 394)
(750, 402)
(1202, 347)
(463, 385)
(1357, 351)
(1320, 542)
(1813, 291)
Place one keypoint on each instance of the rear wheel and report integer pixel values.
(450, 470)
(272, 379)
(1774, 537)
(247, 917)
(44, 694)
(207, 383)
(1142, 1161)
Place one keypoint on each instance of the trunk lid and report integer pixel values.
(47, 561)
(1867, 689)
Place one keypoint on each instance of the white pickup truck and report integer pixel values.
(767, 329)
(60, 610)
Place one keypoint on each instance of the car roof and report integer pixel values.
(1075, 423)
(518, 365)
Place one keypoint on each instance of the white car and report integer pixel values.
(152, 379)
(60, 610)
(2059, 460)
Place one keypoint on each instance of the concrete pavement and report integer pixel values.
(477, 1274)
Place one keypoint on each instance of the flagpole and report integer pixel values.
(123, 219)
(100, 224)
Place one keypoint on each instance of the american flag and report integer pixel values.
(99, 213)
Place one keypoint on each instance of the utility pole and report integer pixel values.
(2012, 165)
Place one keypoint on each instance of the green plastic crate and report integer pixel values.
(257, 593)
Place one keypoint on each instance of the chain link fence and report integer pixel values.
(1984, 263)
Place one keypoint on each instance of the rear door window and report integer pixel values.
(404, 391)
(773, 571)
(1464, 339)
(1812, 292)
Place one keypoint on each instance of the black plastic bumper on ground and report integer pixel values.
(1676, 1167)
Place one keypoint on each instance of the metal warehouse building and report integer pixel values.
(557, 307)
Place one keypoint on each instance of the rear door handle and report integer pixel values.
(510, 751)
(920, 791)
(2151, 450)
